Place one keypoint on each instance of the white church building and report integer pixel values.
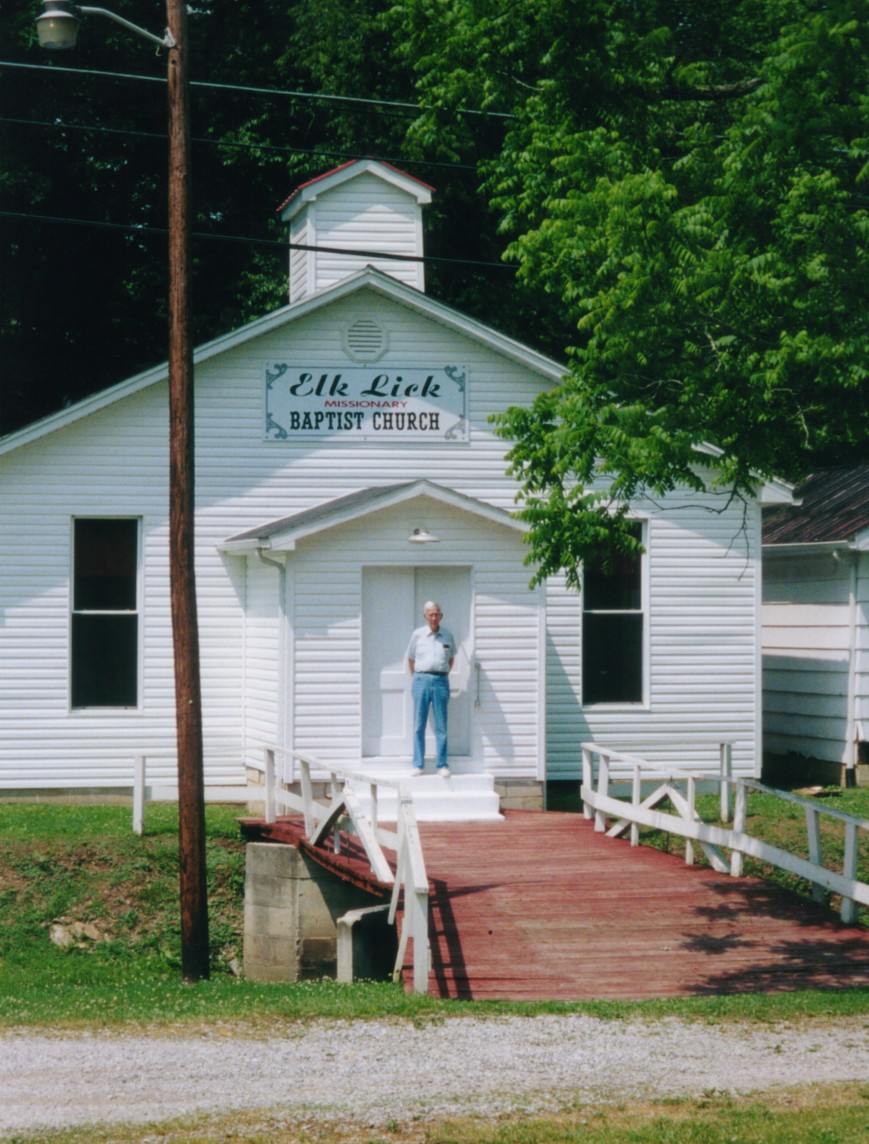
(346, 471)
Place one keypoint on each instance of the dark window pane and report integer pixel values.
(616, 588)
(105, 655)
(612, 658)
(105, 565)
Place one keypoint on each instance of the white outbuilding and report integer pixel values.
(346, 471)
(816, 629)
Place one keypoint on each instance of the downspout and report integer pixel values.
(851, 747)
(281, 705)
(757, 771)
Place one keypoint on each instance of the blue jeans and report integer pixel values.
(430, 690)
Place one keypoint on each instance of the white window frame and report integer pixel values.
(645, 628)
(73, 611)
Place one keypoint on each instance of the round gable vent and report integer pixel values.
(365, 339)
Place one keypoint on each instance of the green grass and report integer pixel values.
(836, 1117)
(832, 1114)
(82, 865)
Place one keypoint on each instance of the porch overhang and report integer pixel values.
(283, 534)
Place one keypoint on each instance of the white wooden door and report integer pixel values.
(392, 605)
(387, 621)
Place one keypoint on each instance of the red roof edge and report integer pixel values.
(343, 167)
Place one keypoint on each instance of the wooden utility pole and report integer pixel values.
(185, 630)
(57, 29)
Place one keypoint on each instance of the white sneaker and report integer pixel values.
(415, 772)
(444, 772)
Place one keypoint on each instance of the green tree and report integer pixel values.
(686, 182)
(83, 306)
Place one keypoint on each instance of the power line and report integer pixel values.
(60, 124)
(268, 243)
(322, 97)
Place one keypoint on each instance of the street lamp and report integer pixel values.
(57, 28)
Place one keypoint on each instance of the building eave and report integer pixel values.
(774, 492)
(809, 548)
(283, 535)
(367, 279)
(313, 188)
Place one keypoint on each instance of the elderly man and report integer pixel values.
(430, 656)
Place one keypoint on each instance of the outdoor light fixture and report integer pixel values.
(423, 536)
(57, 27)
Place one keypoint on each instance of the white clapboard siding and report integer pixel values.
(364, 215)
(702, 631)
(328, 656)
(815, 653)
(702, 567)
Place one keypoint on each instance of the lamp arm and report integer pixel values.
(168, 41)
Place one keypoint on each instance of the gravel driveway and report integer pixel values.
(374, 1071)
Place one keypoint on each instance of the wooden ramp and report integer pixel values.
(540, 907)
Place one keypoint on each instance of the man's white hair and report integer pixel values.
(431, 606)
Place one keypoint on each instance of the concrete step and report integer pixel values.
(460, 798)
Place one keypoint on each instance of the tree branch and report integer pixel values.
(718, 92)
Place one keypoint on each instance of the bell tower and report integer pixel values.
(363, 206)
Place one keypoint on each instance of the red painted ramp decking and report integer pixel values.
(540, 906)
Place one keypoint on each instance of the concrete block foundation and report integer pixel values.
(291, 912)
(519, 794)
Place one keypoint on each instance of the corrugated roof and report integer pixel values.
(832, 505)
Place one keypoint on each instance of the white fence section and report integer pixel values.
(345, 811)
(165, 792)
(680, 788)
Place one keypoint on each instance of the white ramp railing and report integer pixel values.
(344, 810)
(679, 787)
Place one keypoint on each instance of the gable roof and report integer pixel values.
(832, 508)
(306, 192)
(281, 535)
(367, 279)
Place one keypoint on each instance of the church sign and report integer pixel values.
(364, 403)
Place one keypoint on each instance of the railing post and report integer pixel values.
(400, 880)
(139, 794)
(410, 875)
(636, 798)
(692, 814)
(307, 795)
(603, 789)
(849, 869)
(726, 773)
(739, 815)
(336, 833)
(372, 791)
(813, 835)
(270, 809)
(587, 779)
